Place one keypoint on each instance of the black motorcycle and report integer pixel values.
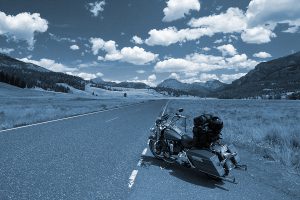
(169, 143)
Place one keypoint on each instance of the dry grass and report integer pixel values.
(271, 128)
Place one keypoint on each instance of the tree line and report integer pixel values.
(12, 80)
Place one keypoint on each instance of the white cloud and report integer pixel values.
(134, 55)
(97, 44)
(207, 77)
(85, 76)
(137, 40)
(233, 20)
(49, 64)
(152, 78)
(261, 12)
(171, 35)
(137, 55)
(206, 49)
(256, 25)
(257, 35)
(177, 9)
(23, 26)
(195, 63)
(174, 76)
(204, 77)
(262, 55)
(59, 38)
(96, 7)
(88, 64)
(228, 78)
(74, 47)
(227, 49)
(140, 71)
(218, 41)
(99, 74)
(6, 50)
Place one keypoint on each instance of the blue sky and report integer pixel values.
(149, 41)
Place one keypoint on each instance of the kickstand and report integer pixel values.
(242, 167)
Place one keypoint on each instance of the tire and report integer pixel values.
(151, 147)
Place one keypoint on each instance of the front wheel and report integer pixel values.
(155, 149)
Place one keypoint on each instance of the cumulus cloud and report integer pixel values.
(74, 47)
(134, 55)
(262, 55)
(257, 35)
(228, 78)
(204, 77)
(85, 75)
(137, 40)
(195, 63)
(50, 65)
(171, 35)
(233, 20)
(174, 76)
(177, 9)
(227, 49)
(151, 80)
(22, 26)
(137, 55)
(6, 50)
(255, 25)
(96, 7)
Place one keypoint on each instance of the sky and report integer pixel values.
(150, 41)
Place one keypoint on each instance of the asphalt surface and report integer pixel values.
(97, 156)
(89, 157)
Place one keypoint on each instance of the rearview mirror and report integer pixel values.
(180, 110)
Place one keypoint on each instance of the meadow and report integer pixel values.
(268, 127)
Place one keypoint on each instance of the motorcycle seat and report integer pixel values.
(187, 141)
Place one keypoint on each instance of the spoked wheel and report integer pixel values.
(155, 148)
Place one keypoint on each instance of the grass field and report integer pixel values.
(270, 128)
(25, 106)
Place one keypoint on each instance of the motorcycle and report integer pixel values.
(169, 143)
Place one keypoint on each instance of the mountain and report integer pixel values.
(213, 84)
(267, 78)
(8, 62)
(102, 84)
(196, 88)
(21, 74)
(136, 85)
(97, 80)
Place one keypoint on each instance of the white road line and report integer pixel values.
(144, 151)
(132, 178)
(164, 110)
(140, 162)
(134, 172)
(66, 118)
(111, 119)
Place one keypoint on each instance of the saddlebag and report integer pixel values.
(206, 162)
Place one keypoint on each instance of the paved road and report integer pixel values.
(94, 156)
(89, 157)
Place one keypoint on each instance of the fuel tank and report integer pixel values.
(206, 162)
(173, 133)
